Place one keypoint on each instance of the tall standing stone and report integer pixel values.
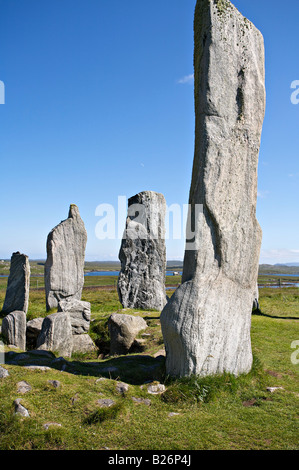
(64, 267)
(17, 292)
(141, 282)
(206, 323)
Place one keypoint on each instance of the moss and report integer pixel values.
(223, 6)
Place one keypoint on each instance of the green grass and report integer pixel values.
(222, 412)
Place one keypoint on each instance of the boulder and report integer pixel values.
(56, 334)
(206, 323)
(123, 330)
(83, 344)
(79, 313)
(14, 329)
(17, 292)
(64, 267)
(141, 282)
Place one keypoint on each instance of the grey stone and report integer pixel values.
(64, 267)
(141, 282)
(23, 387)
(54, 383)
(206, 323)
(123, 330)
(56, 334)
(83, 344)
(122, 387)
(79, 312)
(17, 292)
(105, 402)
(3, 372)
(14, 329)
(156, 388)
(20, 409)
(43, 368)
(33, 330)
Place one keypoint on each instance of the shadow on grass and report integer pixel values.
(132, 369)
(261, 314)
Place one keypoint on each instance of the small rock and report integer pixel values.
(144, 401)
(75, 398)
(273, 389)
(55, 383)
(156, 389)
(47, 425)
(105, 402)
(122, 387)
(20, 409)
(101, 379)
(3, 372)
(44, 368)
(171, 414)
(23, 387)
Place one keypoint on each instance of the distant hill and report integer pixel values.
(290, 268)
(287, 264)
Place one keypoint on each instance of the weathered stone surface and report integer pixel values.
(23, 387)
(14, 329)
(64, 267)
(122, 387)
(105, 402)
(32, 332)
(20, 409)
(79, 312)
(17, 292)
(3, 372)
(56, 334)
(83, 344)
(206, 323)
(123, 330)
(141, 282)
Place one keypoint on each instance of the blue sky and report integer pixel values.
(99, 104)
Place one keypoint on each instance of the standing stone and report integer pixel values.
(64, 267)
(14, 329)
(17, 292)
(56, 334)
(206, 323)
(79, 313)
(141, 282)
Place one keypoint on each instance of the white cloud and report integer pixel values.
(187, 79)
(279, 256)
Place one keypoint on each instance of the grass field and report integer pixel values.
(222, 412)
